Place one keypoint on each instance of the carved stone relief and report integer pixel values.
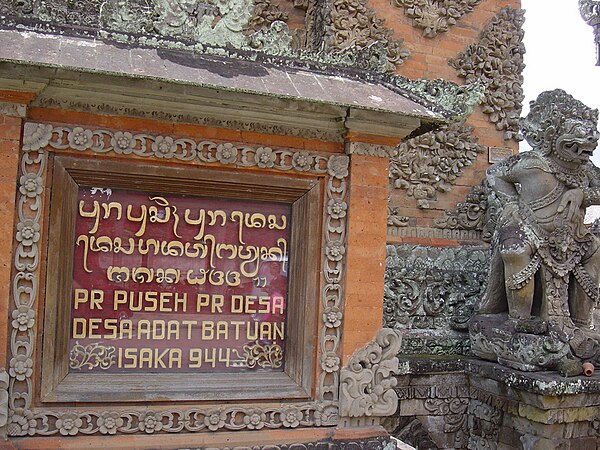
(264, 14)
(413, 432)
(476, 213)
(353, 25)
(368, 381)
(432, 162)
(497, 61)
(435, 16)
(25, 419)
(4, 382)
(432, 288)
(484, 425)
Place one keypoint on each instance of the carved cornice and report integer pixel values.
(405, 231)
(353, 26)
(459, 102)
(27, 419)
(368, 381)
(435, 16)
(432, 163)
(154, 113)
(496, 60)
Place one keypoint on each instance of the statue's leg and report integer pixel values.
(581, 303)
(517, 254)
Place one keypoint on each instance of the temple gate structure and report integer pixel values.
(259, 224)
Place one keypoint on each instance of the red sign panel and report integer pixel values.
(167, 283)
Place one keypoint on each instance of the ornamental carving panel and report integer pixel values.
(435, 16)
(496, 60)
(432, 288)
(431, 163)
(477, 212)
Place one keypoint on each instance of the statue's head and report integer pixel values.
(559, 125)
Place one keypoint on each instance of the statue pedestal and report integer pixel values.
(540, 410)
(472, 404)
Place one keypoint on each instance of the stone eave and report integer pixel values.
(66, 68)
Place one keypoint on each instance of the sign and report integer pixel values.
(172, 283)
(497, 154)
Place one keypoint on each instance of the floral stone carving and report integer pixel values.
(432, 288)
(432, 162)
(368, 381)
(543, 287)
(354, 26)
(497, 61)
(435, 16)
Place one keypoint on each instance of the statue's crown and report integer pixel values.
(551, 109)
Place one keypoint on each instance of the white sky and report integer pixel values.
(560, 54)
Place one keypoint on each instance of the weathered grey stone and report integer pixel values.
(540, 243)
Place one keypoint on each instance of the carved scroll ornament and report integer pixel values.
(432, 162)
(368, 381)
(354, 26)
(435, 16)
(590, 12)
(497, 61)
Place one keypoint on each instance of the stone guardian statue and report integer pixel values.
(536, 313)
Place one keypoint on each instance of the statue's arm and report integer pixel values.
(502, 178)
(591, 194)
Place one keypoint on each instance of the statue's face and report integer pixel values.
(577, 140)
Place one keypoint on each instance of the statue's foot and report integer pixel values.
(583, 345)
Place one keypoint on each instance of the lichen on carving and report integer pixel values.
(431, 163)
(354, 26)
(435, 16)
(497, 61)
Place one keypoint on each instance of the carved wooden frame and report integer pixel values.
(68, 173)
(29, 416)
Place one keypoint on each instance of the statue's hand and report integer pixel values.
(571, 201)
